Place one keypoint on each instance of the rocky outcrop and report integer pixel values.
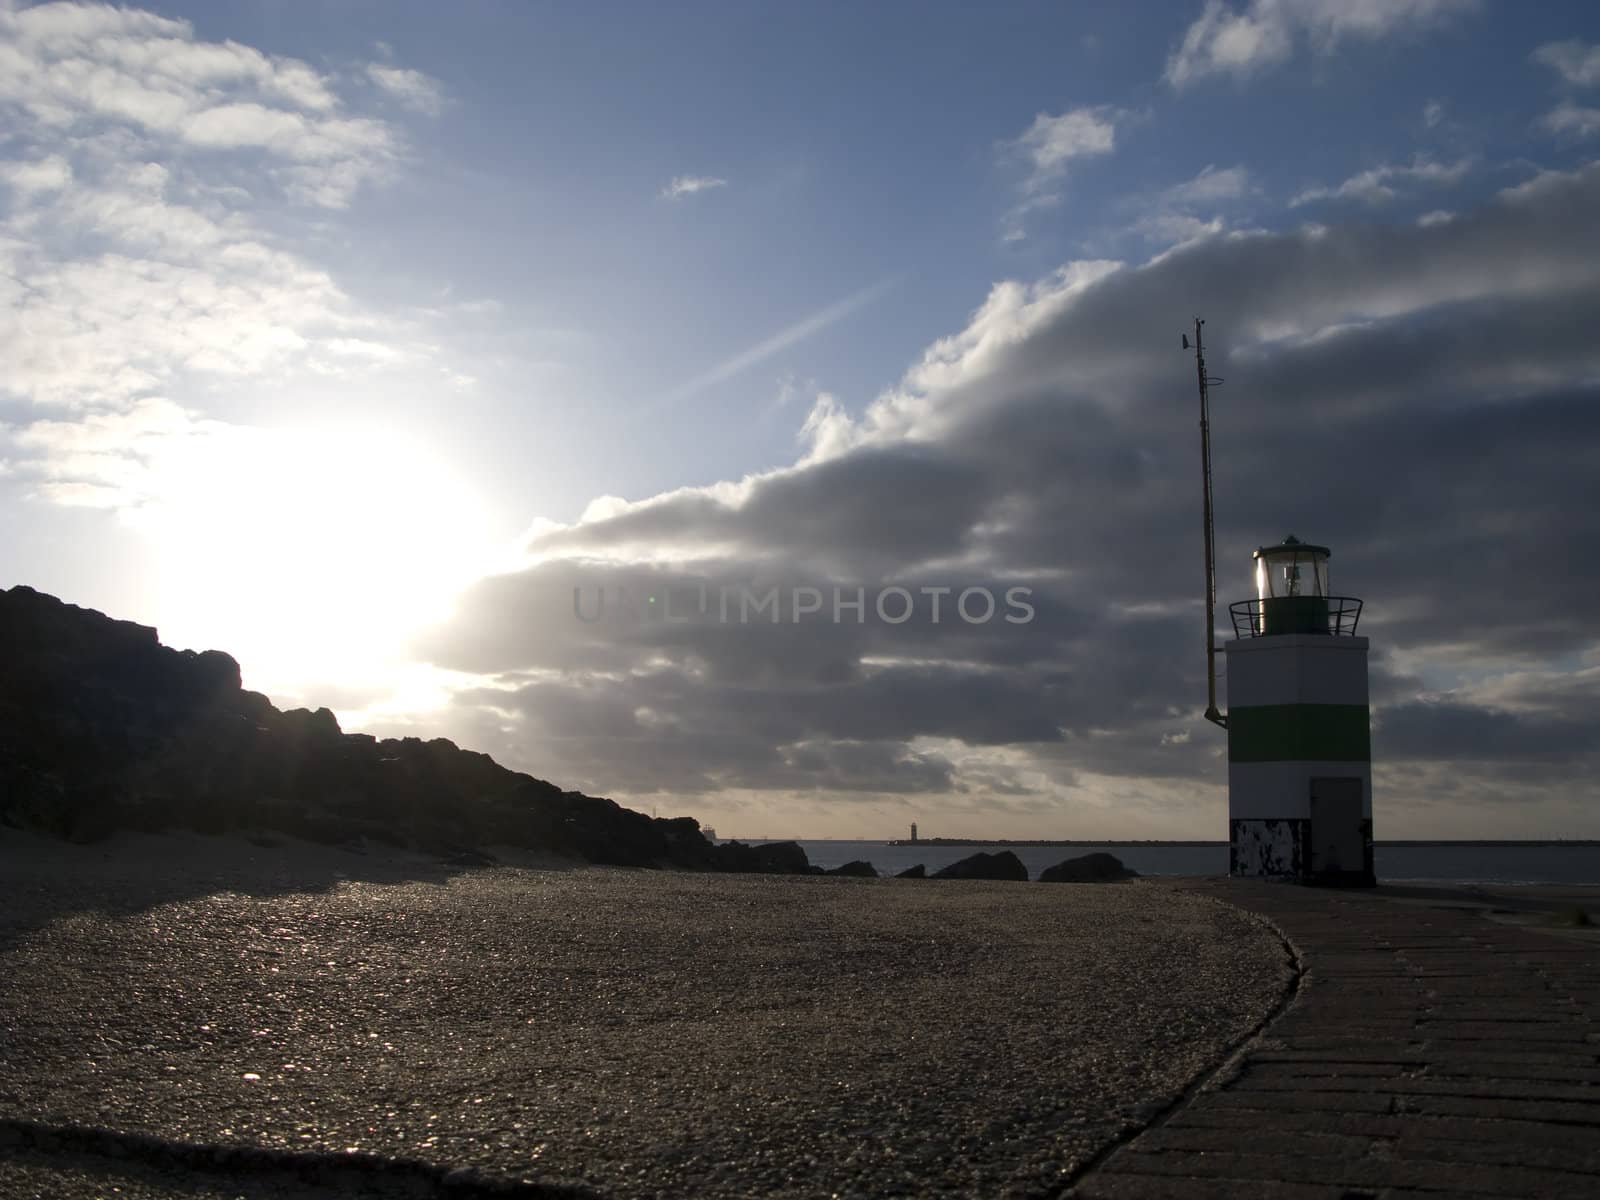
(1098, 867)
(1001, 865)
(917, 872)
(858, 868)
(103, 728)
(768, 858)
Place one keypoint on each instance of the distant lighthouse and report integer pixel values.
(1299, 749)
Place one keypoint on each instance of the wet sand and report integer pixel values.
(638, 1033)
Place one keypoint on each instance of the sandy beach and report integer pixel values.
(636, 1033)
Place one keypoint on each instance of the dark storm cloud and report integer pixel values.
(1441, 729)
(1421, 398)
(882, 506)
(1539, 721)
(1537, 240)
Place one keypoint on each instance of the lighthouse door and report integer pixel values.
(1337, 844)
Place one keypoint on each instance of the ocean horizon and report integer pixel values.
(1454, 862)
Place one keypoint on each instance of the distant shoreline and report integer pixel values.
(938, 841)
(1020, 842)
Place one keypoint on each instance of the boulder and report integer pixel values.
(858, 868)
(1098, 867)
(686, 845)
(785, 858)
(769, 858)
(917, 872)
(1000, 865)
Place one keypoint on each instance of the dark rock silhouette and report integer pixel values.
(769, 858)
(864, 870)
(1098, 867)
(103, 728)
(917, 872)
(1000, 865)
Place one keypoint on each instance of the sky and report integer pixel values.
(479, 371)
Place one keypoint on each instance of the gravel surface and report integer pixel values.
(638, 1033)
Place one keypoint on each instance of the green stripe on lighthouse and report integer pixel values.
(1299, 732)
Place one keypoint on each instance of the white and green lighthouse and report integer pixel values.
(1299, 752)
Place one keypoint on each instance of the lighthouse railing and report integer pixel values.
(1292, 614)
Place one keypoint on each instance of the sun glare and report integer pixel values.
(311, 555)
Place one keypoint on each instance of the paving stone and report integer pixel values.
(1510, 1110)
(1352, 1055)
(1357, 1171)
(1541, 1014)
(1259, 1142)
(1503, 1068)
(1302, 1101)
(1323, 1044)
(1552, 1052)
(1165, 1187)
(1383, 1127)
(1498, 1131)
(1580, 1156)
(1247, 1123)
(1308, 1069)
(1503, 1031)
(1481, 1086)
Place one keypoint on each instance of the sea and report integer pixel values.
(1484, 862)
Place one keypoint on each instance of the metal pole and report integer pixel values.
(1212, 713)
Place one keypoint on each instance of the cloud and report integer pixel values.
(1578, 63)
(413, 89)
(1241, 42)
(179, 287)
(109, 459)
(1048, 146)
(139, 277)
(1417, 729)
(1379, 184)
(1171, 229)
(1209, 187)
(1052, 142)
(1014, 225)
(29, 178)
(1421, 397)
(1432, 113)
(89, 70)
(1572, 119)
(1172, 215)
(689, 185)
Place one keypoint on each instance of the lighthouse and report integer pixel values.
(1299, 750)
(1299, 747)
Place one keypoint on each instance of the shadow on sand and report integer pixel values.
(43, 879)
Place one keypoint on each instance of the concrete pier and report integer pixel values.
(1427, 1050)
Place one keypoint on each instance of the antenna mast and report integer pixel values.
(1212, 713)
